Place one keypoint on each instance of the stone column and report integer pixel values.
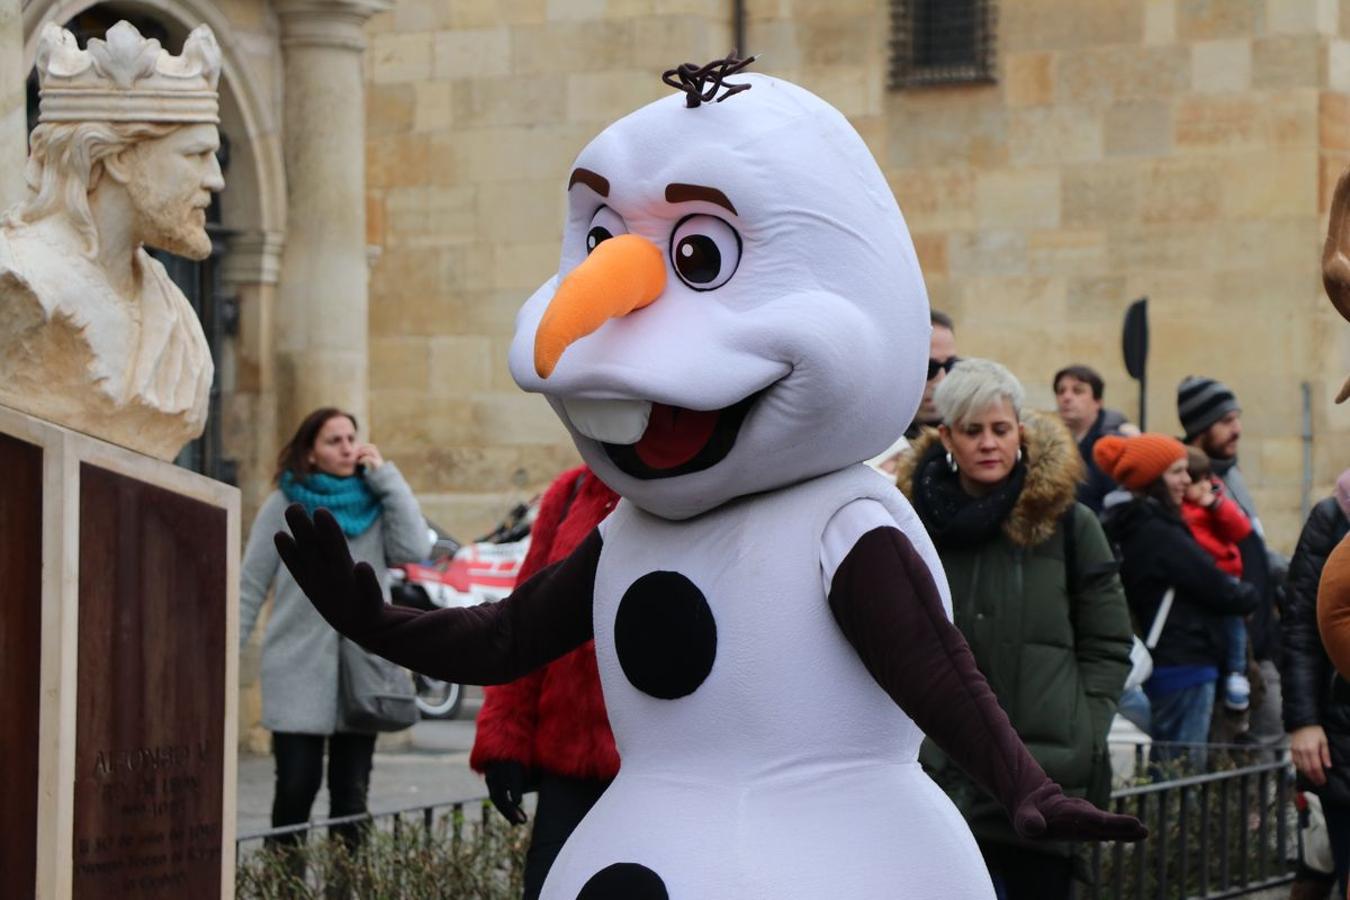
(322, 296)
(13, 105)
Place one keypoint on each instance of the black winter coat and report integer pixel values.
(1263, 626)
(1313, 693)
(1096, 484)
(1158, 552)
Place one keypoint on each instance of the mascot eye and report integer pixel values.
(605, 224)
(705, 252)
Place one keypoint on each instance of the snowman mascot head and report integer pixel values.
(738, 306)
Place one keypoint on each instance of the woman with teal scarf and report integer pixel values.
(323, 465)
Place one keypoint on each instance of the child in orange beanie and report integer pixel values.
(1218, 524)
(1174, 589)
(1137, 463)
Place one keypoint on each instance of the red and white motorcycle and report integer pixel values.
(484, 571)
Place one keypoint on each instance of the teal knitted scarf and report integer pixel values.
(350, 499)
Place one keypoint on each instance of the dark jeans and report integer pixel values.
(563, 803)
(1182, 717)
(1235, 651)
(1136, 709)
(1020, 874)
(1338, 829)
(299, 759)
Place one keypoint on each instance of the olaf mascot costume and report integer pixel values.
(738, 320)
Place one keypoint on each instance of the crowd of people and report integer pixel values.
(1154, 595)
(1094, 570)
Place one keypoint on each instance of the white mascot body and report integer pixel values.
(737, 322)
(787, 771)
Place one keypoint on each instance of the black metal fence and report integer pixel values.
(469, 812)
(1227, 831)
(1217, 834)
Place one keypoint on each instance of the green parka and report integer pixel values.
(1055, 657)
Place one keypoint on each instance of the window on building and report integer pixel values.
(942, 42)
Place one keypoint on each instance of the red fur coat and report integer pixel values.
(554, 719)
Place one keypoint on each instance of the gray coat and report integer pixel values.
(300, 649)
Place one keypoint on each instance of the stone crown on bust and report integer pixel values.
(128, 78)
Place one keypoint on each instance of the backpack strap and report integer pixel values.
(1072, 575)
(1071, 550)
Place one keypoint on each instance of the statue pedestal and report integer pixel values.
(118, 670)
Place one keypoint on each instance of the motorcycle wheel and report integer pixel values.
(438, 699)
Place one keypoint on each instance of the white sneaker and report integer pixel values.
(1237, 692)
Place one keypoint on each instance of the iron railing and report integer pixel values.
(391, 820)
(1224, 832)
(1213, 835)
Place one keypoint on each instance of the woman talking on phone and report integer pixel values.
(323, 465)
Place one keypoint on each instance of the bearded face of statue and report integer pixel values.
(170, 180)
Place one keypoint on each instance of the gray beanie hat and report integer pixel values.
(1201, 402)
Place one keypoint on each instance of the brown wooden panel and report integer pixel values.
(149, 754)
(20, 661)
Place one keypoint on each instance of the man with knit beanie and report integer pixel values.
(1159, 555)
(1212, 421)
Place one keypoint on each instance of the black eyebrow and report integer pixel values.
(592, 180)
(683, 193)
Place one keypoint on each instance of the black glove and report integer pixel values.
(345, 593)
(491, 643)
(506, 789)
(1047, 813)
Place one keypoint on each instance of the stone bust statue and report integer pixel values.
(93, 334)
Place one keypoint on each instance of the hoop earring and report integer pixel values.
(1019, 455)
(951, 463)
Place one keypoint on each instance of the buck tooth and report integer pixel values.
(609, 421)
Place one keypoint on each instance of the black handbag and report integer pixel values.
(373, 693)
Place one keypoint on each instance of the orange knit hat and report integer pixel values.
(1136, 462)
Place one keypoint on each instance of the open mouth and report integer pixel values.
(657, 440)
(681, 441)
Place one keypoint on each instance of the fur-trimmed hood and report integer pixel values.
(1053, 470)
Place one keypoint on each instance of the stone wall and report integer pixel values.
(475, 112)
(1179, 149)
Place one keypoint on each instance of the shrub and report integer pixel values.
(454, 859)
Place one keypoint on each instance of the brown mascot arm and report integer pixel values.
(887, 604)
(1336, 258)
(1333, 607)
(491, 643)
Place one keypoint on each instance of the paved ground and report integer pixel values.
(432, 769)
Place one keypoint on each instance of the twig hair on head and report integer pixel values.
(701, 83)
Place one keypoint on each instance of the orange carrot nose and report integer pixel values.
(622, 274)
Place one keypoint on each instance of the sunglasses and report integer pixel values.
(945, 366)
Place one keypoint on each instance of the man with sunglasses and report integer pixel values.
(941, 357)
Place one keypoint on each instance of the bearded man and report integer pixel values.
(93, 334)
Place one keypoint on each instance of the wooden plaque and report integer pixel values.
(20, 661)
(150, 691)
(118, 666)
